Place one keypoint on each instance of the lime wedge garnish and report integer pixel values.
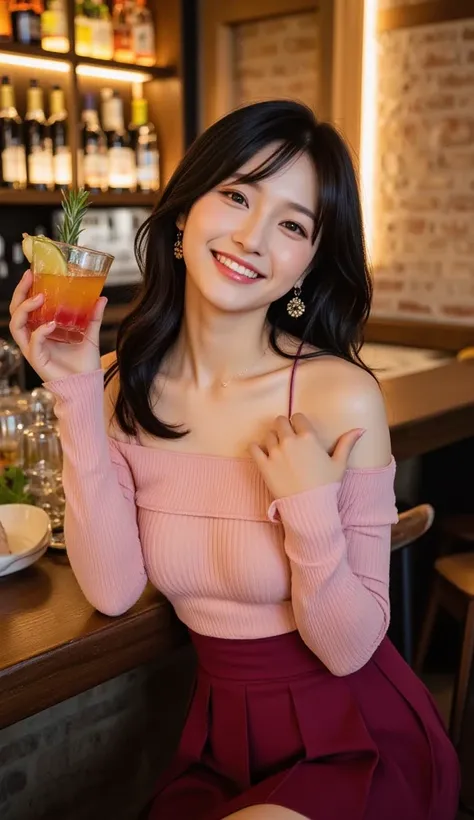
(27, 246)
(46, 255)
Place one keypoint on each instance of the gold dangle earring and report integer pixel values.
(178, 246)
(296, 307)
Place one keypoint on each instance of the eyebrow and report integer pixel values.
(294, 205)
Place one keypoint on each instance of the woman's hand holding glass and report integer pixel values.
(52, 360)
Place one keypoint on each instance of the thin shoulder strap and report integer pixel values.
(292, 381)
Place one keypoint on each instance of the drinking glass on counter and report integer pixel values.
(42, 403)
(10, 365)
(11, 425)
(15, 414)
(41, 457)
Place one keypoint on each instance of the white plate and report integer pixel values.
(28, 531)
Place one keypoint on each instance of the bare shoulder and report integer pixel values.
(339, 396)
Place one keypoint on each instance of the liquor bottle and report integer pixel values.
(144, 144)
(102, 46)
(6, 31)
(12, 150)
(93, 166)
(38, 141)
(54, 31)
(58, 128)
(123, 34)
(26, 21)
(121, 158)
(143, 35)
(83, 30)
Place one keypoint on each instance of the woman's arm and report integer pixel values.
(337, 539)
(337, 520)
(101, 529)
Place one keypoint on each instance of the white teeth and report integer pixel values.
(229, 263)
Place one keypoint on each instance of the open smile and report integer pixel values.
(235, 268)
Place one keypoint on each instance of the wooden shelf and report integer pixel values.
(28, 197)
(156, 72)
(36, 52)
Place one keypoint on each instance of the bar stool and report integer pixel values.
(453, 590)
(411, 525)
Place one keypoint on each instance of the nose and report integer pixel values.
(251, 235)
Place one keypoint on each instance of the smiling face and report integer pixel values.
(246, 245)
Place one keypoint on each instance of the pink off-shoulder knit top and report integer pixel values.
(233, 561)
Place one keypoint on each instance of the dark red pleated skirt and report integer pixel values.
(269, 724)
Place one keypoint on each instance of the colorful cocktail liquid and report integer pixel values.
(71, 286)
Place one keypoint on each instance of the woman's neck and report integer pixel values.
(213, 346)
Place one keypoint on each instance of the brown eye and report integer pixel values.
(235, 196)
(293, 227)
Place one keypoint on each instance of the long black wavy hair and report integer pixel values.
(337, 289)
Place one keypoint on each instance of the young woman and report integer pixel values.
(245, 469)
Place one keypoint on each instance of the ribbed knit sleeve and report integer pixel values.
(101, 530)
(337, 539)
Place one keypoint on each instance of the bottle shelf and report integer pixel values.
(105, 200)
(78, 76)
(75, 60)
(35, 52)
(155, 72)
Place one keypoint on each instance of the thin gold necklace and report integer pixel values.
(241, 373)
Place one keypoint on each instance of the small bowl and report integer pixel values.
(28, 531)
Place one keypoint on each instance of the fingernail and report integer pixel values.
(361, 432)
(50, 325)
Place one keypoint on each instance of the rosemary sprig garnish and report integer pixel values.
(75, 205)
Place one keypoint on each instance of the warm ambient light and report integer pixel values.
(58, 44)
(104, 73)
(368, 130)
(34, 62)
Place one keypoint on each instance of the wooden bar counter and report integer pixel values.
(430, 410)
(54, 645)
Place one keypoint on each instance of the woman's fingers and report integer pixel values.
(271, 442)
(258, 455)
(21, 291)
(37, 351)
(301, 424)
(346, 444)
(283, 428)
(93, 331)
(20, 315)
(19, 321)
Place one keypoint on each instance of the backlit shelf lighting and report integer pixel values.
(368, 132)
(118, 74)
(38, 63)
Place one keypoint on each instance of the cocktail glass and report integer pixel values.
(71, 279)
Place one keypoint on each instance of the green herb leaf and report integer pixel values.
(75, 205)
(12, 487)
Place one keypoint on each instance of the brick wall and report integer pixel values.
(424, 186)
(277, 57)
